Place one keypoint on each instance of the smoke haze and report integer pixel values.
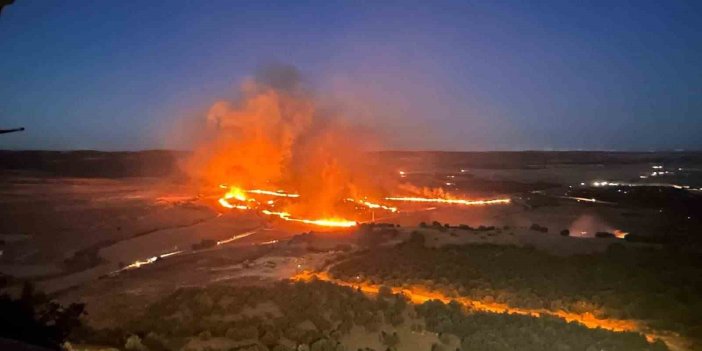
(275, 135)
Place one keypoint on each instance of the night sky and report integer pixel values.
(468, 75)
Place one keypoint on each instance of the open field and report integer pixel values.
(124, 241)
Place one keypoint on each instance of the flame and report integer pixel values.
(235, 193)
(236, 237)
(419, 294)
(620, 234)
(239, 194)
(324, 222)
(280, 193)
(227, 204)
(274, 135)
(373, 205)
(451, 201)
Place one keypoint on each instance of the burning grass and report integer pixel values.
(277, 135)
(237, 198)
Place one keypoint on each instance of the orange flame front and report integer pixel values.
(274, 136)
(236, 193)
(451, 201)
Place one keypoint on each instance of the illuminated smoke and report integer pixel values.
(276, 136)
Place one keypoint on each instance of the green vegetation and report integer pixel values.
(317, 315)
(662, 287)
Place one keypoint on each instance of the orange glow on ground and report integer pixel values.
(235, 193)
(324, 222)
(238, 194)
(280, 193)
(373, 205)
(450, 201)
(227, 204)
(418, 295)
(251, 203)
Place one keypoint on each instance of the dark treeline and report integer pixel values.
(89, 163)
(533, 159)
(316, 315)
(677, 211)
(662, 287)
(505, 332)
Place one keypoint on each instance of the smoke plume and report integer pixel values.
(275, 135)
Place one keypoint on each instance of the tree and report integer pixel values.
(35, 319)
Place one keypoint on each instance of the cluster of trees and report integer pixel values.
(505, 332)
(86, 258)
(374, 234)
(444, 227)
(661, 286)
(315, 315)
(604, 235)
(538, 228)
(35, 319)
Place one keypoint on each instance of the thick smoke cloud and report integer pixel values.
(275, 135)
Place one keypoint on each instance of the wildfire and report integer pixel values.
(620, 234)
(250, 203)
(235, 193)
(227, 204)
(419, 294)
(372, 205)
(325, 222)
(280, 193)
(450, 201)
(275, 134)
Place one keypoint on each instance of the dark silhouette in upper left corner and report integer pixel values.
(4, 3)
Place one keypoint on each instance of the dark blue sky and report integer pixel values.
(468, 75)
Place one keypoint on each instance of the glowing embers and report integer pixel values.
(451, 201)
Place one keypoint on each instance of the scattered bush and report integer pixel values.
(537, 228)
(204, 244)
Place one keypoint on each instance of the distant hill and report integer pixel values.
(156, 163)
(152, 163)
(533, 159)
